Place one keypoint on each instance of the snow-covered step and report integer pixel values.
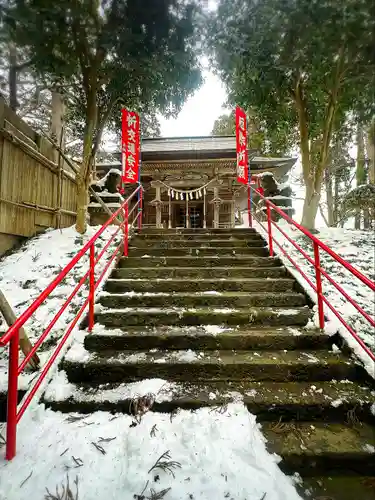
(199, 236)
(126, 366)
(205, 337)
(202, 299)
(200, 285)
(314, 447)
(269, 316)
(200, 244)
(198, 272)
(150, 260)
(162, 233)
(186, 251)
(267, 400)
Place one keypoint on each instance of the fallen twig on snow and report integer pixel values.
(71, 419)
(164, 463)
(77, 461)
(99, 448)
(66, 493)
(105, 440)
(28, 477)
(158, 495)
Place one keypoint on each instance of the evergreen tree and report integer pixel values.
(104, 54)
(303, 66)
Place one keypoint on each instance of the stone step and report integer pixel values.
(199, 285)
(199, 244)
(269, 401)
(178, 236)
(108, 198)
(181, 252)
(202, 299)
(129, 366)
(198, 231)
(198, 272)
(198, 261)
(297, 316)
(312, 448)
(211, 337)
(339, 487)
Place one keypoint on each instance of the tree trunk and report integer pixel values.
(84, 175)
(24, 342)
(370, 149)
(57, 122)
(329, 198)
(360, 170)
(310, 206)
(336, 198)
(12, 77)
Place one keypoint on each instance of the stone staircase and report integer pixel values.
(213, 314)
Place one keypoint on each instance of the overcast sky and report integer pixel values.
(199, 112)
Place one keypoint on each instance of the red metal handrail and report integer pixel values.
(11, 337)
(319, 271)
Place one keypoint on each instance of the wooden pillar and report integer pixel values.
(158, 206)
(204, 209)
(216, 208)
(187, 223)
(169, 211)
(232, 214)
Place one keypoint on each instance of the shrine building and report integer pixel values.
(191, 181)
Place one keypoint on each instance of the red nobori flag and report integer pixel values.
(241, 140)
(130, 146)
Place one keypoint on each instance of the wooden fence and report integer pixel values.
(37, 188)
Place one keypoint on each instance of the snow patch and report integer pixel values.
(48, 441)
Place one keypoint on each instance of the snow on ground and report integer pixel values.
(217, 454)
(27, 272)
(357, 248)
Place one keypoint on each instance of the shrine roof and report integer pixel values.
(200, 143)
(171, 149)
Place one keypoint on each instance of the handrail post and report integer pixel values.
(140, 209)
(319, 289)
(269, 225)
(92, 288)
(126, 230)
(250, 215)
(12, 397)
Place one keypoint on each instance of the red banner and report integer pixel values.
(130, 146)
(241, 141)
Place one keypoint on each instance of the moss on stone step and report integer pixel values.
(199, 339)
(198, 261)
(199, 285)
(198, 272)
(265, 365)
(202, 299)
(297, 316)
(270, 401)
(218, 251)
(311, 448)
(199, 244)
(356, 487)
(193, 236)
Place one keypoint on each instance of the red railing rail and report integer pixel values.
(318, 246)
(11, 337)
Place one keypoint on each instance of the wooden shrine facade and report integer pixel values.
(191, 181)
